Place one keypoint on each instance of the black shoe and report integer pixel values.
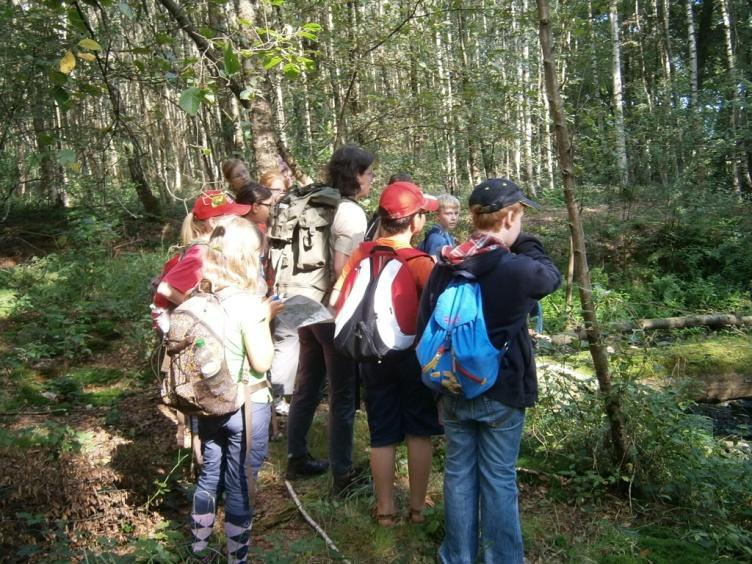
(306, 465)
(354, 481)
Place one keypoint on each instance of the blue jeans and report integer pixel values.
(319, 360)
(481, 516)
(223, 444)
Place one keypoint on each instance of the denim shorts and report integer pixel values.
(397, 402)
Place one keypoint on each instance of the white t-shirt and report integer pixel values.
(348, 228)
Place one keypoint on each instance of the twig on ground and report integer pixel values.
(46, 412)
(313, 523)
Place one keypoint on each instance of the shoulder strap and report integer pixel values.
(411, 253)
(405, 253)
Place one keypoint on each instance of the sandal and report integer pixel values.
(416, 516)
(385, 520)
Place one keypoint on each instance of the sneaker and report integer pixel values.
(306, 465)
(282, 408)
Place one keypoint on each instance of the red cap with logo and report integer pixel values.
(402, 199)
(214, 203)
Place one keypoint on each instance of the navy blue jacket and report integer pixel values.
(435, 239)
(510, 290)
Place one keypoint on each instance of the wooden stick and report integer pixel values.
(313, 523)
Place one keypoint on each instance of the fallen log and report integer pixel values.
(716, 320)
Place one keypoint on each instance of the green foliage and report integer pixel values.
(81, 298)
(54, 438)
(678, 460)
(164, 485)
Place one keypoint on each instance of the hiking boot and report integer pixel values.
(306, 465)
(344, 485)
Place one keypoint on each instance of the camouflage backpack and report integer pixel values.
(299, 241)
(199, 381)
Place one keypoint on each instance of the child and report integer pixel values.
(398, 406)
(483, 434)
(182, 272)
(438, 236)
(276, 182)
(236, 174)
(230, 269)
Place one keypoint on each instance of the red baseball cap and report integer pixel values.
(402, 199)
(214, 203)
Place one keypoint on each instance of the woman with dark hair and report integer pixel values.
(350, 172)
(347, 170)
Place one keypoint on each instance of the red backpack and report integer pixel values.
(377, 307)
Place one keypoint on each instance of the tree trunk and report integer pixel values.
(692, 47)
(618, 98)
(597, 349)
(47, 169)
(739, 163)
(715, 321)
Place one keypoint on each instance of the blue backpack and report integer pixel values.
(455, 353)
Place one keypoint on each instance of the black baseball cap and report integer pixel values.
(497, 193)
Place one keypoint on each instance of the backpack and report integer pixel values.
(378, 306)
(199, 381)
(454, 352)
(299, 241)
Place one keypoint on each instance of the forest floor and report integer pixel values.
(108, 484)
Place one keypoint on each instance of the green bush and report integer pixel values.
(83, 297)
(678, 460)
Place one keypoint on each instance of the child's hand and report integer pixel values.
(275, 305)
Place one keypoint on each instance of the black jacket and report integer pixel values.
(510, 290)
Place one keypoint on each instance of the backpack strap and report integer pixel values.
(405, 253)
(466, 276)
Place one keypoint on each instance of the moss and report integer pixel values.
(105, 397)
(723, 354)
(95, 376)
(696, 356)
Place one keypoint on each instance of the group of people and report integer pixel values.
(224, 244)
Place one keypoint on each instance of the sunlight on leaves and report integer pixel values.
(67, 63)
(190, 100)
(89, 44)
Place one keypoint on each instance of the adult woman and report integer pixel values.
(236, 174)
(350, 172)
(483, 434)
(230, 271)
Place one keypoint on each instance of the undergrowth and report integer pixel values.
(81, 298)
(678, 461)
